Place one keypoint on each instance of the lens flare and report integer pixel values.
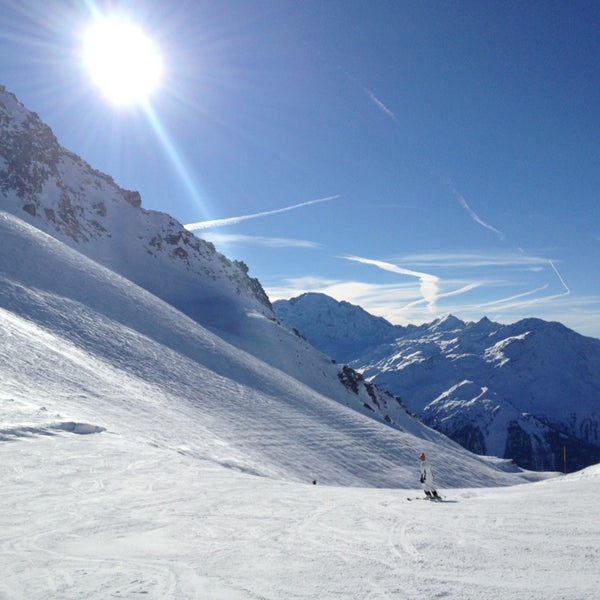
(122, 61)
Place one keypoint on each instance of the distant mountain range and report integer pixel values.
(529, 391)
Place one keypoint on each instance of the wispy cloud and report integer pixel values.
(273, 242)
(234, 220)
(429, 284)
(500, 264)
(464, 204)
(464, 289)
(441, 260)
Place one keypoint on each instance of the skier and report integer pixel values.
(427, 478)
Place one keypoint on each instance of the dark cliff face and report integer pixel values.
(32, 175)
(30, 154)
(471, 437)
(552, 451)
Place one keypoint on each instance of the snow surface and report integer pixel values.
(143, 456)
(105, 516)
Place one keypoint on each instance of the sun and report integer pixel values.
(121, 61)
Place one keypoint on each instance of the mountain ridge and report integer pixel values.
(61, 194)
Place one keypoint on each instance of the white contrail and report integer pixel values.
(509, 303)
(381, 106)
(502, 302)
(429, 284)
(472, 213)
(476, 260)
(477, 218)
(235, 220)
(567, 290)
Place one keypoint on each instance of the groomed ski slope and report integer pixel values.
(143, 456)
(102, 516)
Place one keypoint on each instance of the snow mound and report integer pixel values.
(28, 430)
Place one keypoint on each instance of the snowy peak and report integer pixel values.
(446, 324)
(343, 329)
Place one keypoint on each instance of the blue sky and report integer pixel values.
(431, 157)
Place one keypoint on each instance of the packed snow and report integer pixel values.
(104, 516)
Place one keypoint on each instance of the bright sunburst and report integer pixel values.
(122, 61)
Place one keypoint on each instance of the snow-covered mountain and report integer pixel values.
(58, 193)
(529, 391)
(84, 263)
(339, 329)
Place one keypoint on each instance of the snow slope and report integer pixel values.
(106, 337)
(110, 515)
